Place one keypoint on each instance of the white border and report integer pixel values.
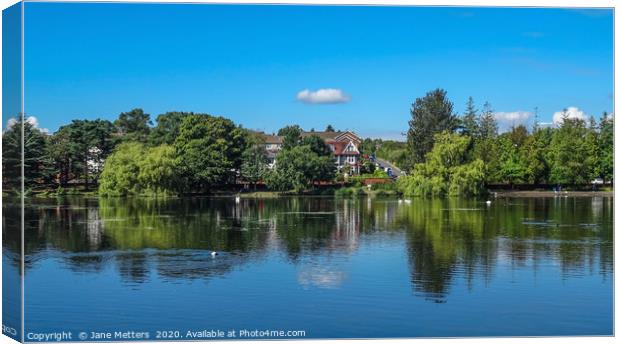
(470, 3)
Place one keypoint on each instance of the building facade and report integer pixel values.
(344, 145)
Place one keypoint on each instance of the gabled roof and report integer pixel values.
(341, 146)
(348, 135)
(272, 139)
(333, 135)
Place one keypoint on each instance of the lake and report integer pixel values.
(324, 266)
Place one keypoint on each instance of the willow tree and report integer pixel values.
(448, 170)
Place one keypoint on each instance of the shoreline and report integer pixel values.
(515, 193)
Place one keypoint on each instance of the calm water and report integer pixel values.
(330, 267)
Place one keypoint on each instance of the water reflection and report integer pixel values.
(444, 240)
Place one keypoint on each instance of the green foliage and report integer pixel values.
(487, 125)
(34, 162)
(568, 153)
(12, 156)
(396, 152)
(208, 149)
(133, 125)
(367, 166)
(317, 145)
(167, 128)
(297, 168)
(446, 170)
(134, 169)
(606, 147)
(158, 172)
(80, 148)
(121, 171)
(357, 180)
(291, 136)
(534, 150)
(369, 146)
(469, 121)
(349, 192)
(430, 115)
(254, 165)
(512, 164)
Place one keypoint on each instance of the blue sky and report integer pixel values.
(250, 63)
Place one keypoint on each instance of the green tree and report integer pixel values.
(12, 156)
(487, 125)
(447, 170)
(158, 171)
(593, 154)
(208, 150)
(133, 125)
(469, 121)
(369, 146)
(485, 145)
(512, 167)
(430, 115)
(606, 147)
(330, 128)
(60, 155)
(535, 152)
(317, 145)
(396, 152)
(298, 168)
(567, 153)
(120, 175)
(291, 136)
(34, 163)
(167, 128)
(254, 165)
(84, 145)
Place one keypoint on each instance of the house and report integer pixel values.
(345, 146)
(272, 144)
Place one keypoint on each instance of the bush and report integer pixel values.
(134, 169)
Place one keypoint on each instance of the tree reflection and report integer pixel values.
(448, 238)
(445, 240)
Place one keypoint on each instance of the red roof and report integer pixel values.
(340, 146)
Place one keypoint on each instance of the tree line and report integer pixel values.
(460, 155)
(186, 152)
(183, 153)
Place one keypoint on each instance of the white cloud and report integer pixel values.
(323, 96)
(30, 119)
(515, 116)
(507, 120)
(320, 278)
(10, 123)
(571, 112)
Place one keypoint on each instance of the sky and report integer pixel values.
(357, 68)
